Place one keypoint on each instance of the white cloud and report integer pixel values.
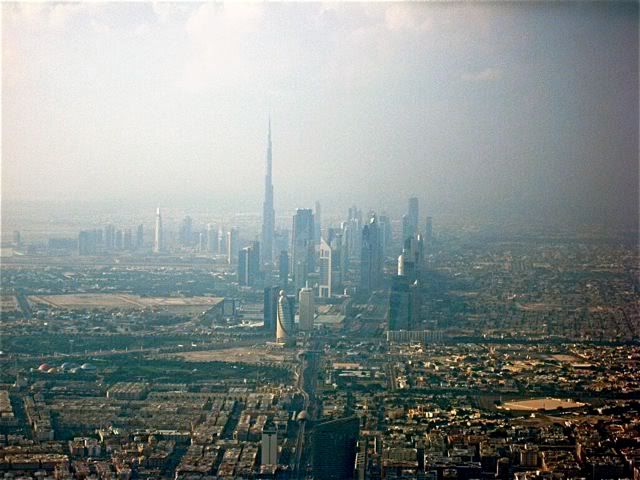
(216, 33)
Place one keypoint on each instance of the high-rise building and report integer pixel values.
(270, 315)
(109, 237)
(352, 232)
(371, 258)
(186, 232)
(128, 239)
(281, 240)
(334, 448)
(243, 266)
(268, 212)
(269, 447)
(222, 242)
(404, 304)
(283, 267)
(285, 322)
(326, 270)
(87, 242)
(302, 247)
(119, 239)
(212, 239)
(249, 265)
(16, 239)
(412, 257)
(428, 232)
(407, 228)
(385, 234)
(317, 225)
(413, 214)
(307, 307)
(399, 312)
(202, 242)
(233, 244)
(158, 239)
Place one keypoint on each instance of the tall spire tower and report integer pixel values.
(268, 213)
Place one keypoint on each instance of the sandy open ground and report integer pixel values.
(108, 301)
(250, 355)
(541, 404)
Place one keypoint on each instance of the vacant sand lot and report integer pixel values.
(242, 355)
(540, 404)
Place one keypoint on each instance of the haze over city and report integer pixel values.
(509, 107)
(320, 241)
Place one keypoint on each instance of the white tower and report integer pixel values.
(158, 244)
(326, 270)
(284, 327)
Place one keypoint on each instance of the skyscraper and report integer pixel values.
(353, 233)
(87, 242)
(404, 304)
(413, 214)
(284, 328)
(212, 239)
(428, 234)
(317, 224)
(283, 264)
(186, 231)
(385, 233)
(232, 245)
(128, 239)
(270, 314)
(326, 270)
(222, 242)
(307, 309)
(268, 212)
(109, 237)
(249, 264)
(334, 448)
(412, 257)
(399, 313)
(371, 258)
(158, 240)
(302, 248)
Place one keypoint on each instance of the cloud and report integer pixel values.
(216, 35)
(489, 74)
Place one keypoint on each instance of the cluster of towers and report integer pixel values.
(110, 239)
(316, 262)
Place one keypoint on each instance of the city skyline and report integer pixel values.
(320, 241)
(555, 137)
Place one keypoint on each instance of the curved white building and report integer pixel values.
(284, 325)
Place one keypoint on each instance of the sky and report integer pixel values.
(473, 107)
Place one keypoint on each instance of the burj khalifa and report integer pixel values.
(268, 213)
